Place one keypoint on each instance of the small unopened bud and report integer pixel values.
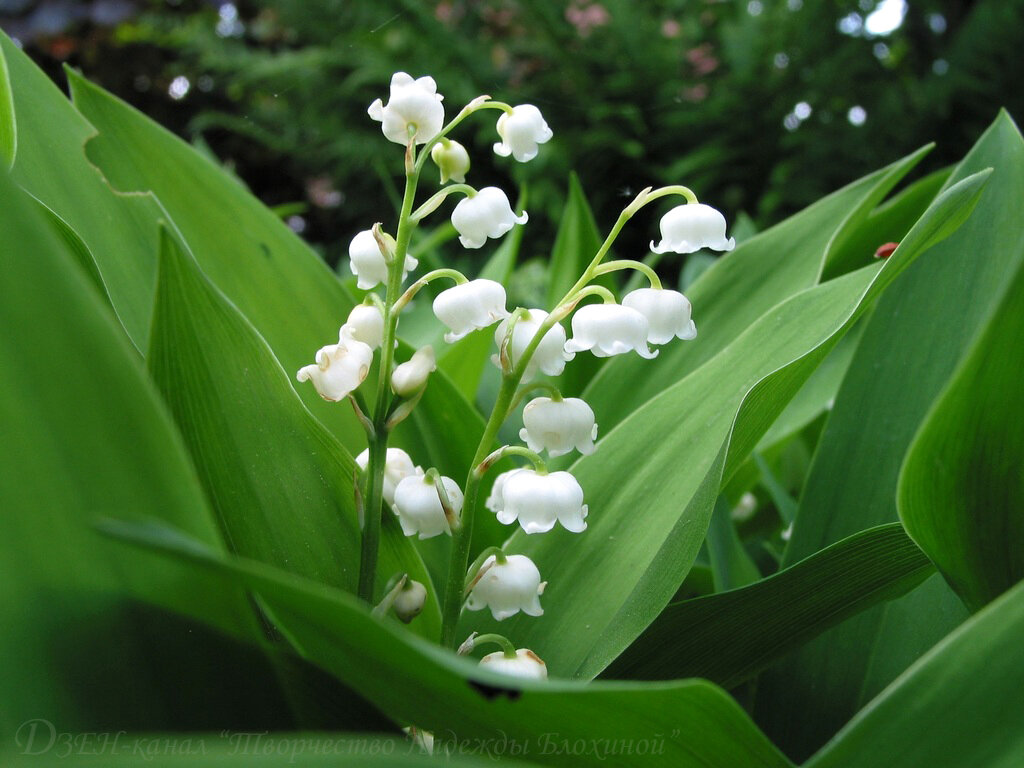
(452, 160)
(409, 378)
(409, 601)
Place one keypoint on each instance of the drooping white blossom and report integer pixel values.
(486, 214)
(550, 356)
(496, 499)
(367, 262)
(525, 664)
(668, 314)
(508, 588)
(688, 228)
(521, 130)
(366, 324)
(409, 601)
(470, 306)
(558, 426)
(414, 109)
(538, 501)
(410, 377)
(419, 508)
(451, 159)
(340, 368)
(397, 466)
(609, 329)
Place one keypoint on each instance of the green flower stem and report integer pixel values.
(379, 445)
(434, 201)
(389, 599)
(639, 266)
(473, 573)
(480, 102)
(541, 386)
(436, 274)
(504, 642)
(511, 450)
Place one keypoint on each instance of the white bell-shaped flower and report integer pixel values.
(409, 601)
(414, 110)
(367, 262)
(549, 357)
(397, 466)
(521, 130)
(451, 159)
(488, 213)
(609, 329)
(470, 306)
(525, 664)
(538, 501)
(558, 426)
(366, 324)
(496, 499)
(667, 312)
(688, 228)
(419, 507)
(339, 368)
(508, 588)
(410, 377)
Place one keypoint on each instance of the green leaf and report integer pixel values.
(730, 563)
(279, 482)
(654, 478)
(959, 705)
(729, 637)
(961, 489)
(910, 346)
(678, 724)
(8, 125)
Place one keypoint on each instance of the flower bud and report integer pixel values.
(609, 329)
(688, 228)
(409, 378)
(667, 313)
(558, 426)
(419, 508)
(397, 466)
(470, 306)
(366, 324)
(539, 501)
(452, 160)
(508, 588)
(367, 262)
(549, 357)
(521, 130)
(487, 214)
(525, 664)
(409, 601)
(414, 110)
(340, 368)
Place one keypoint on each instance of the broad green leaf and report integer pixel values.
(8, 124)
(280, 483)
(654, 478)
(85, 435)
(959, 705)
(730, 563)
(729, 637)
(677, 724)
(961, 489)
(910, 346)
(741, 287)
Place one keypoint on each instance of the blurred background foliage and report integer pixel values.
(760, 106)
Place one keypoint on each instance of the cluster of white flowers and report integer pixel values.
(529, 342)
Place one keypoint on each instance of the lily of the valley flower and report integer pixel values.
(549, 357)
(486, 214)
(525, 664)
(496, 500)
(667, 312)
(413, 110)
(521, 130)
(609, 329)
(538, 501)
(366, 324)
(451, 159)
(419, 508)
(470, 306)
(688, 228)
(367, 262)
(409, 601)
(410, 377)
(508, 588)
(558, 426)
(397, 466)
(339, 368)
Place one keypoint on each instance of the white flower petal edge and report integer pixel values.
(508, 588)
(470, 307)
(419, 509)
(496, 500)
(549, 357)
(397, 466)
(526, 664)
(367, 262)
(365, 323)
(558, 426)
(487, 214)
(539, 501)
(668, 314)
(412, 104)
(688, 228)
(521, 130)
(609, 329)
(339, 368)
